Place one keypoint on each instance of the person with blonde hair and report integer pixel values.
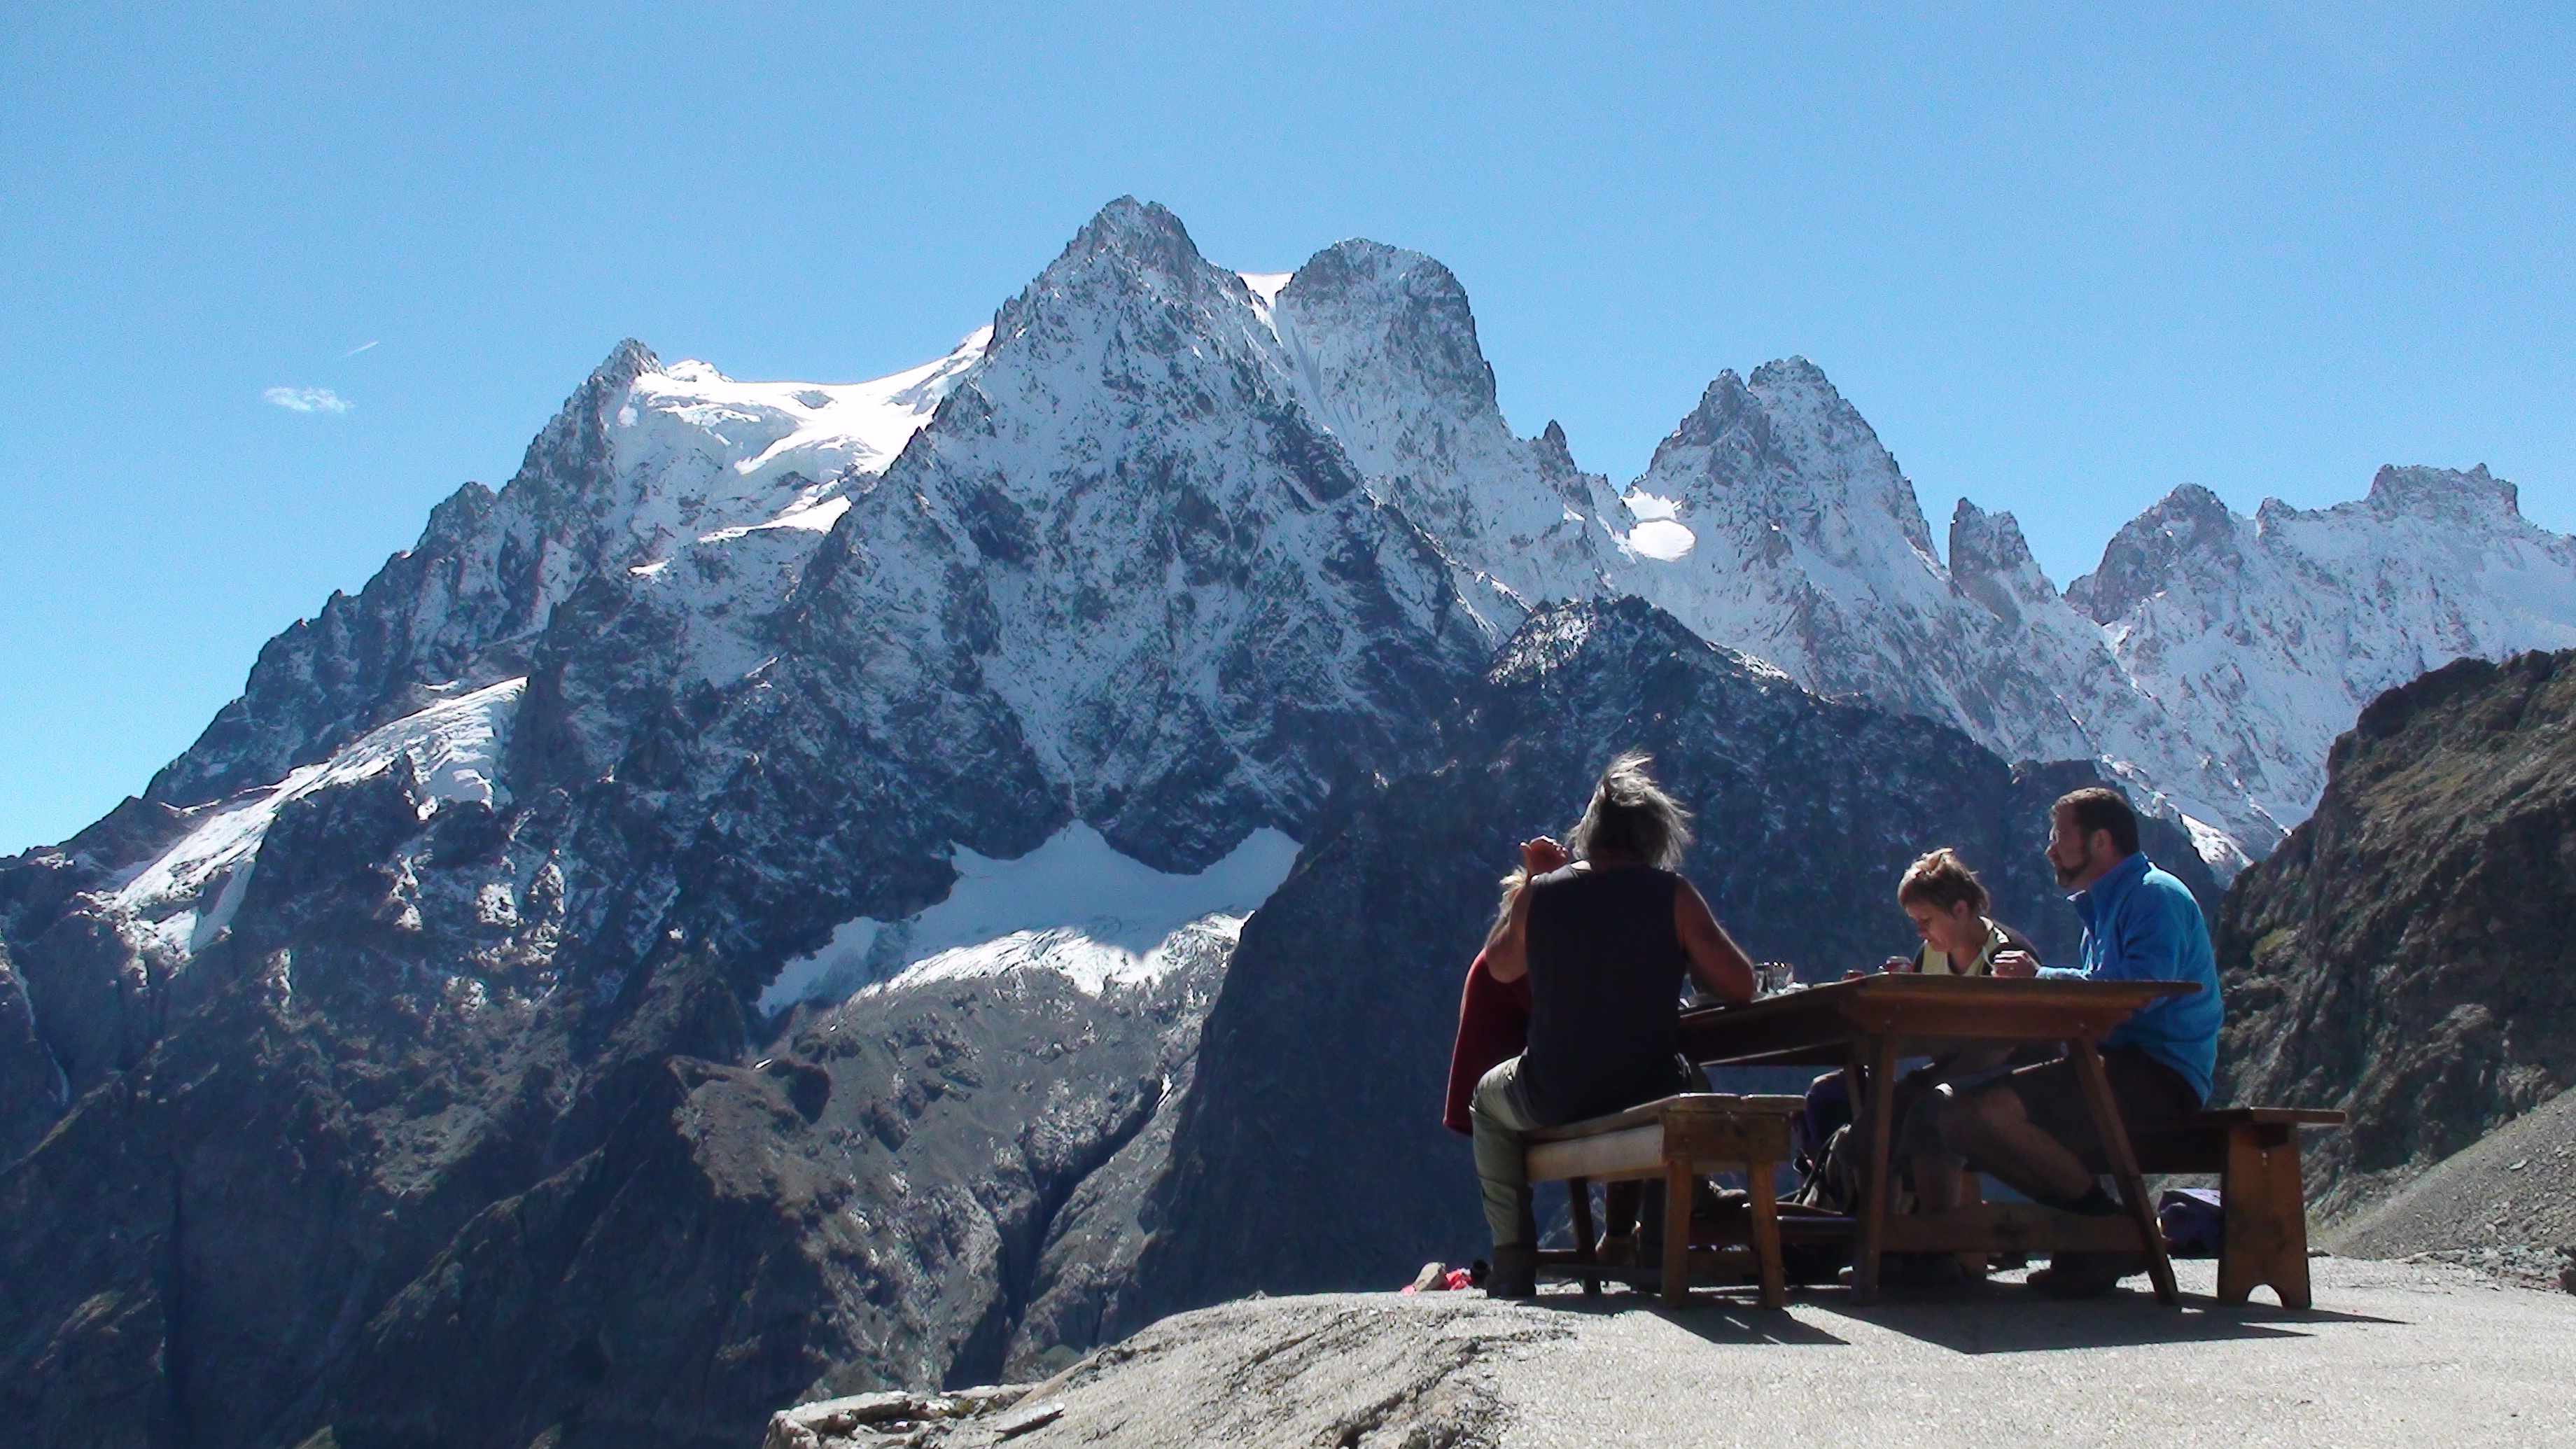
(1604, 941)
(1948, 906)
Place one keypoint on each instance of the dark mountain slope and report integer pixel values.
(2404, 955)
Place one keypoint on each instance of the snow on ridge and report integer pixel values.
(1661, 539)
(454, 747)
(815, 516)
(1266, 285)
(1092, 966)
(1074, 906)
(768, 429)
(708, 457)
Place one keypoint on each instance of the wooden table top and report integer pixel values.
(1924, 1014)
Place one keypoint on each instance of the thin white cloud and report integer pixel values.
(308, 399)
(361, 347)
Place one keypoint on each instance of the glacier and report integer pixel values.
(1074, 905)
(183, 898)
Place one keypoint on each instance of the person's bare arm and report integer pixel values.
(1507, 949)
(1507, 952)
(1719, 966)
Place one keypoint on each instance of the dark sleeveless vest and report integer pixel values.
(1605, 972)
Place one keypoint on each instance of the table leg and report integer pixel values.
(1678, 1180)
(1766, 1234)
(1876, 1187)
(1578, 1196)
(2124, 1166)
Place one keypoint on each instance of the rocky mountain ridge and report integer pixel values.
(2400, 956)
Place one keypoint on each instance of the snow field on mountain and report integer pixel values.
(761, 430)
(454, 747)
(1074, 906)
(712, 457)
(1266, 285)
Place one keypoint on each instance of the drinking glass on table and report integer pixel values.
(1771, 978)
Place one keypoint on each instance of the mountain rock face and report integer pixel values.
(640, 458)
(599, 982)
(32, 1087)
(875, 1201)
(2401, 956)
(1385, 354)
(1325, 1058)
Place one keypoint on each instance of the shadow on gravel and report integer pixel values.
(1999, 1317)
(2003, 1319)
(1718, 1320)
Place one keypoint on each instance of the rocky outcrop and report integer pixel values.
(32, 1087)
(2402, 955)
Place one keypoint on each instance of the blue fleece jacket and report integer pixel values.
(2141, 924)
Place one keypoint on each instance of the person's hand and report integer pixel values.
(1543, 855)
(2016, 965)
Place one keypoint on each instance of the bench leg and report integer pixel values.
(2264, 1237)
(1578, 1196)
(1677, 1232)
(1766, 1234)
(1972, 1191)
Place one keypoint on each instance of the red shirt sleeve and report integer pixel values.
(1493, 1026)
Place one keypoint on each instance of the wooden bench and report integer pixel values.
(2255, 1151)
(1677, 1140)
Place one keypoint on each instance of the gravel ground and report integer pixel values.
(2507, 1203)
(2393, 1354)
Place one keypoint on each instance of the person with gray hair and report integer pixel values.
(1605, 941)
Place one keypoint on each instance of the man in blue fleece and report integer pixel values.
(2030, 1127)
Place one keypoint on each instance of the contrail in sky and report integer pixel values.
(361, 347)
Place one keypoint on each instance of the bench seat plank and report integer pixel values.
(1611, 1157)
(2264, 1116)
(1716, 1104)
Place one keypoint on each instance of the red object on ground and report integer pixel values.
(1454, 1281)
(1493, 1026)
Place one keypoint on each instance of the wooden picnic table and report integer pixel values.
(1870, 1023)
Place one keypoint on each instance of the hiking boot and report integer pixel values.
(2085, 1275)
(1515, 1272)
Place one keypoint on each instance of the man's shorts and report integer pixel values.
(2147, 1092)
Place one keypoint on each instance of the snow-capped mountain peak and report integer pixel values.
(2263, 637)
(1991, 563)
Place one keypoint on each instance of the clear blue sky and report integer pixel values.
(2061, 265)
